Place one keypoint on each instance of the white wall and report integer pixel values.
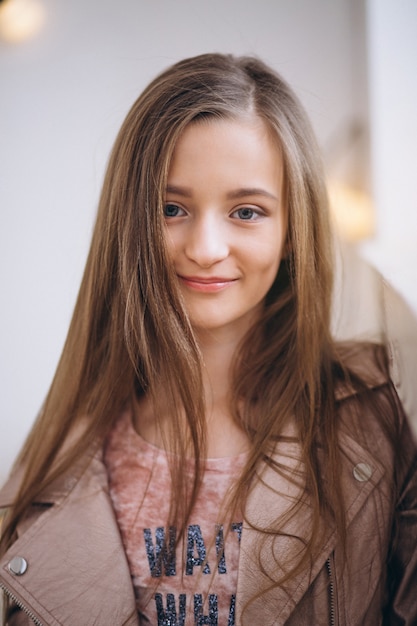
(63, 97)
(392, 45)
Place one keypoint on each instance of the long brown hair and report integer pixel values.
(129, 325)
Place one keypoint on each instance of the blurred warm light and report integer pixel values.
(352, 211)
(20, 19)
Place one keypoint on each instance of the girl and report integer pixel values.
(207, 453)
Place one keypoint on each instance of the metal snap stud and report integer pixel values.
(18, 565)
(362, 472)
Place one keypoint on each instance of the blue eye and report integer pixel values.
(172, 210)
(246, 213)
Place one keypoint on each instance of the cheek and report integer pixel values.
(268, 266)
(268, 258)
(267, 248)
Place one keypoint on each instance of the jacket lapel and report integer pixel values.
(77, 572)
(265, 558)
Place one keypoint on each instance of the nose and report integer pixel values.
(207, 242)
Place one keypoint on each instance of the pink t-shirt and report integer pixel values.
(194, 583)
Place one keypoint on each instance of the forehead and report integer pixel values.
(243, 148)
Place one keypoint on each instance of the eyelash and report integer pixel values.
(255, 213)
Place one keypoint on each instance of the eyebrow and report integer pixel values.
(250, 191)
(242, 192)
(179, 191)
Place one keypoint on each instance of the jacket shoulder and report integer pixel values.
(361, 367)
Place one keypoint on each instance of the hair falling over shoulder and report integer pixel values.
(129, 326)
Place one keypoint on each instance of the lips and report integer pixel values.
(210, 284)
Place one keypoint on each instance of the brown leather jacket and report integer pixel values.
(68, 565)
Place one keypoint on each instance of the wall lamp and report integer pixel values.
(20, 19)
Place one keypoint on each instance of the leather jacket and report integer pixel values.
(68, 565)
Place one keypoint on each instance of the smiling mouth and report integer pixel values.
(207, 285)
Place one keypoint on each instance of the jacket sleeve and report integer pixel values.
(402, 566)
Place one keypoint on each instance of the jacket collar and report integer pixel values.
(264, 506)
(76, 561)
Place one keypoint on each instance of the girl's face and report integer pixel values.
(226, 220)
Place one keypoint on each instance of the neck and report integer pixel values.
(218, 354)
(224, 437)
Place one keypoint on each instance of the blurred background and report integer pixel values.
(69, 72)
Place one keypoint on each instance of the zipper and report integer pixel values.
(20, 605)
(332, 604)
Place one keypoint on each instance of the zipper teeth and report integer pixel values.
(20, 605)
(331, 593)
